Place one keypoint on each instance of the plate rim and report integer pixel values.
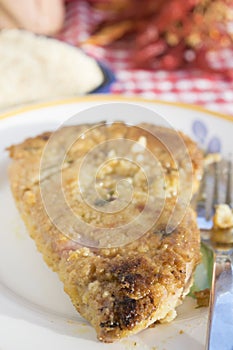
(110, 97)
(104, 98)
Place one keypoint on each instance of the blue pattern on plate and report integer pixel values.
(200, 130)
(214, 145)
(109, 78)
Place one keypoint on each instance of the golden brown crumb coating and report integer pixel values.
(123, 289)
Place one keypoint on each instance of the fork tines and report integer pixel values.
(217, 183)
(229, 185)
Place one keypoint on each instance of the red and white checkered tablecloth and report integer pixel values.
(213, 91)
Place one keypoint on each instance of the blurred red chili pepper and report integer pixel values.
(164, 30)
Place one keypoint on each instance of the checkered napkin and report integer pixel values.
(213, 91)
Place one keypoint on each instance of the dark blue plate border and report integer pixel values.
(109, 78)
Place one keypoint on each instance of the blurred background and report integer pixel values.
(172, 50)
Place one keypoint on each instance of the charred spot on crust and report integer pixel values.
(109, 324)
(131, 274)
(134, 276)
(126, 311)
(126, 266)
(131, 279)
(45, 136)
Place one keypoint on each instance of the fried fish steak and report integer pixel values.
(119, 289)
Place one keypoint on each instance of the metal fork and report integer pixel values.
(217, 189)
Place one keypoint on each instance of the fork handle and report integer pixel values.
(220, 321)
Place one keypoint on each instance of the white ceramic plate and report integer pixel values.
(35, 313)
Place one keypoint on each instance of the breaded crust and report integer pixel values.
(119, 290)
